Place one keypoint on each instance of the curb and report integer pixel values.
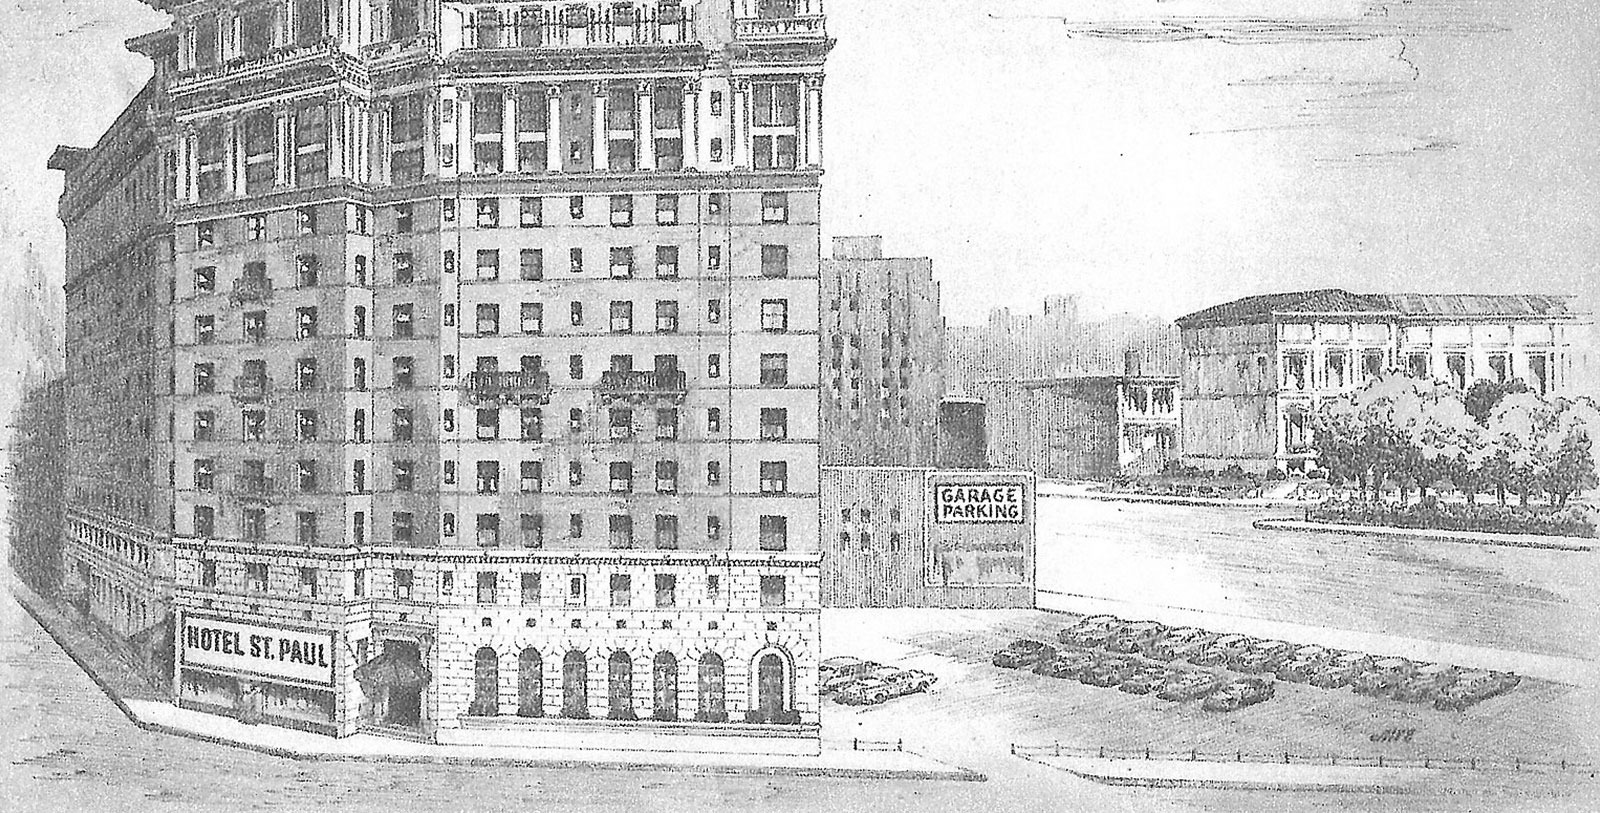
(1497, 541)
(1221, 784)
(1209, 502)
(27, 603)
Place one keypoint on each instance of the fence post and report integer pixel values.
(1380, 760)
(1102, 752)
(1013, 749)
(1427, 763)
(1517, 764)
(1058, 748)
(1286, 757)
(1238, 756)
(1147, 752)
(1474, 763)
(1193, 754)
(1333, 759)
(855, 743)
(899, 745)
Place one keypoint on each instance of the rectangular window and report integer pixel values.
(208, 573)
(305, 374)
(622, 262)
(774, 261)
(488, 476)
(667, 262)
(714, 473)
(531, 319)
(621, 590)
(575, 367)
(530, 212)
(255, 424)
(1372, 363)
(405, 214)
(530, 588)
(205, 279)
(774, 423)
(305, 423)
(1417, 365)
(773, 589)
(404, 372)
(713, 258)
(204, 474)
(531, 263)
(405, 475)
(575, 260)
(305, 475)
(1500, 367)
(1294, 371)
(621, 531)
(488, 263)
(404, 424)
(774, 532)
(666, 476)
(621, 317)
(666, 589)
(255, 576)
(714, 420)
(1456, 368)
(714, 365)
(774, 207)
(1336, 370)
(666, 316)
(714, 311)
(488, 318)
(621, 210)
(666, 532)
(486, 25)
(305, 322)
(621, 478)
(488, 529)
(621, 424)
(774, 369)
(532, 528)
(306, 527)
(308, 582)
(532, 422)
(774, 477)
(311, 145)
(667, 424)
(205, 422)
(775, 315)
(488, 588)
(531, 476)
(403, 578)
(205, 329)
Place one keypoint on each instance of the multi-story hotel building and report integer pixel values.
(1255, 369)
(488, 340)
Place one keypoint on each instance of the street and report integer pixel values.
(69, 749)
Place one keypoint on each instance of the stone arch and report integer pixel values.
(485, 683)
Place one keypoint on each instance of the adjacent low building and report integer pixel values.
(1255, 369)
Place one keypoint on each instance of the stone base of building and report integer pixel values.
(609, 735)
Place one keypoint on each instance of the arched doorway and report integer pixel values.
(619, 674)
(530, 684)
(713, 690)
(575, 685)
(665, 674)
(771, 688)
(485, 684)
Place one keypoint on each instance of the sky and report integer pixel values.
(1152, 157)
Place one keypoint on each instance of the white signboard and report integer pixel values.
(982, 503)
(256, 649)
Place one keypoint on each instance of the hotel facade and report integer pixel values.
(482, 354)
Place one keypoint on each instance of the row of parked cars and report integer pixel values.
(858, 682)
(1443, 685)
(1135, 674)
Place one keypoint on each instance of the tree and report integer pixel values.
(1483, 396)
(1519, 426)
(1569, 448)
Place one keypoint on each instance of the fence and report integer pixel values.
(1290, 758)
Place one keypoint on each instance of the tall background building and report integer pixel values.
(465, 355)
(883, 339)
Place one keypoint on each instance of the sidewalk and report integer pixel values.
(1571, 671)
(150, 711)
(1566, 543)
(1096, 491)
(1158, 773)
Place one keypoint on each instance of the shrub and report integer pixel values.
(1454, 517)
(1275, 474)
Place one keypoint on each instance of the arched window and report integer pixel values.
(619, 673)
(575, 685)
(771, 694)
(665, 673)
(713, 690)
(530, 684)
(485, 684)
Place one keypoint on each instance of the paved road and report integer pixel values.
(1212, 559)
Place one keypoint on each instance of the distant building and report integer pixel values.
(961, 433)
(1055, 343)
(35, 485)
(1083, 427)
(1255, 369)
(884, 370)
(918, 537)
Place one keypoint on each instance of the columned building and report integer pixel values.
(491, 354)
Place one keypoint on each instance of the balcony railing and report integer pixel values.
(520, 386)
(255, 489)
(644, 384)
(251, 388)
(590, 26)
(424, 41)
(276, 60)
(252, 289)
(759, 28)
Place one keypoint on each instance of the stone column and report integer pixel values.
(283, 147)
(466, 161)
(181, 180)
(739, 144)
(813, 121)
(647, 126)
(337, 137)
(554, 153)
(691, 109)
(602, 135)
(508, 129)
(379, 116)
(236, 157)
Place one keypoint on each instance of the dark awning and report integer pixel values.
(394, 671)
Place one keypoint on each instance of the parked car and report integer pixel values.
(880, 688)
(1067, 664)
(1180, 642)
(1109, 670)
(1135, 637)
(841, 666)
(1147, 679)
(841, 682)
(1191, 684)
(1381, 678)
(1222, 651)
(1090, 632)
(1264, 656)
(1304, 662)
(1023, 652)
(1424, 685)
(1471, 688)
(1239, 694)
(1339, 672)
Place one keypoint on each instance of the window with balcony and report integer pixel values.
(666, 476)
(488, 476)
(622, 262)
(532, 423)
(531, 476)
(774, 477)
(774, 532)
(621, 210)
(488, 529)
(774, 207)
(488, 319)
(621, 317)
(205, 279)
(774, 261)
(404, 425)
(775, 315)
(666, 316)
(621, 531)
(305, 373)
(774, 369)
(774, 423)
